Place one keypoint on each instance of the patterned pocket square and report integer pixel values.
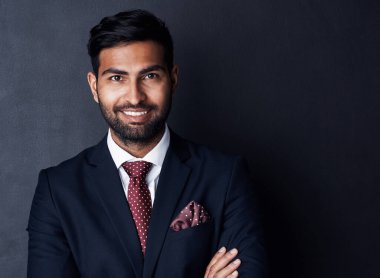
(192, 215)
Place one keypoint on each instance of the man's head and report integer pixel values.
(127, 27)
(134, 77)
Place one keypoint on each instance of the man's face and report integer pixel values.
(134, 90)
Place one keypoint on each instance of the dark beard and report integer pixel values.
(143, 134)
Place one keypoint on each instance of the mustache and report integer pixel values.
(137, 106)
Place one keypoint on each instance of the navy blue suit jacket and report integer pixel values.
(80, 224)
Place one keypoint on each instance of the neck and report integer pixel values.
(137, 149)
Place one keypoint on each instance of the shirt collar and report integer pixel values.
(155, 156)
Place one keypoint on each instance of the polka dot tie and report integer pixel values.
(139, 198)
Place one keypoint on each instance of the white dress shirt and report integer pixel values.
(155, 156)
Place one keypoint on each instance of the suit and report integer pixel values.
(80, 223)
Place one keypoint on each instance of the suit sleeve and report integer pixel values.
(241, 226)
(49, 254)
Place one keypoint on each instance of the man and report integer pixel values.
(143, 202)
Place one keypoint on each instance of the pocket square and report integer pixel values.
(190, 216)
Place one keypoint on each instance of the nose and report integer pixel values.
(135, 94)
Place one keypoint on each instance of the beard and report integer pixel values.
(137, 132)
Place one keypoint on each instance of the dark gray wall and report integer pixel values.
(293, 85)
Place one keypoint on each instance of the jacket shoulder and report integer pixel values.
(200, 154)
(75, 162)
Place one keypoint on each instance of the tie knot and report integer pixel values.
(137, 169)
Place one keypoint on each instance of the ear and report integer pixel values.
(174, 78)
(92, 81)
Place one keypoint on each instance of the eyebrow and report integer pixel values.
(143, 71)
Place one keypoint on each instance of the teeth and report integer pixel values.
(133, 113)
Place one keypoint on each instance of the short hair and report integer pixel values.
(126, 27)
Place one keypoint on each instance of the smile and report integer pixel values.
(135, 113)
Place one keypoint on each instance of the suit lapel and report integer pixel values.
(105, 180)
(173, 177)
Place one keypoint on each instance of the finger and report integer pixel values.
(234, 274)
(216, 257)
(222, 262)
(229, 270)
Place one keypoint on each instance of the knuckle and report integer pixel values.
(230, 255)
(212, 269)
(218, 255)
(227, 258)
(213, 261)
(231, 266)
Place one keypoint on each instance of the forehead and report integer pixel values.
(132, 55)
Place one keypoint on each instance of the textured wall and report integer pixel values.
(293, 85)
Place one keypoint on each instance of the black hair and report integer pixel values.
(129, 26)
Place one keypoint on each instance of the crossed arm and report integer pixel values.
(241, 228)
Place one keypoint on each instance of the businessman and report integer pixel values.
(143, 202)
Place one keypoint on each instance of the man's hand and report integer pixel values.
(221, 266)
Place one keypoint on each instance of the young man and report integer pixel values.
(143, 202)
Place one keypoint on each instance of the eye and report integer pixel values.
(116, 78)
(151, 75)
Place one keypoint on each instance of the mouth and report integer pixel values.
(135, 113)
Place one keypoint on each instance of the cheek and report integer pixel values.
(109, 97)
(160, 95)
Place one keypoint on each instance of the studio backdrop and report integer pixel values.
(294, 86)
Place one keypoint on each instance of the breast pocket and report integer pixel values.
(203, 230)
(186, 253)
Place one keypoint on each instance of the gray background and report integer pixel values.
(292, 85)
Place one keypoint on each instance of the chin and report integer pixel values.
(138, 133)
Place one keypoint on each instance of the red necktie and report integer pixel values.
(139, 198)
